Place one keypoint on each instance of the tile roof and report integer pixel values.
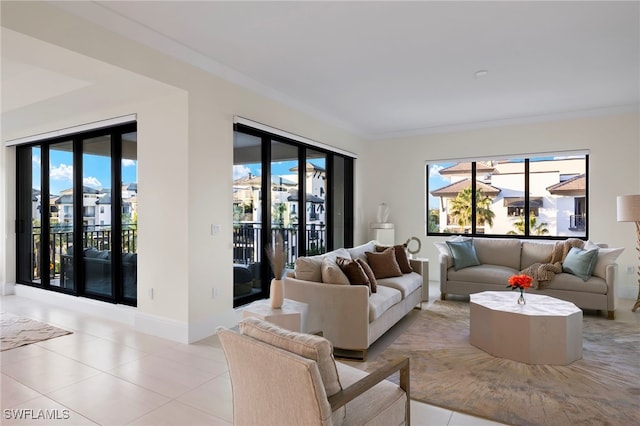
(575, 186)
(463, 168)
(455, 188)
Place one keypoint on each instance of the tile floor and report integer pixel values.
(108, 374)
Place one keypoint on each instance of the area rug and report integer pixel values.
(16, 331)
(603, 388)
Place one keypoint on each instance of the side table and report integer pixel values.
(292, 315)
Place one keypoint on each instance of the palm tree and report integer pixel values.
(535, 228)
(462, 208)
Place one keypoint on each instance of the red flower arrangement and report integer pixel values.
(520, 282)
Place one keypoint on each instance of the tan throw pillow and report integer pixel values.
(331, 272)
(384, 264)
(373, 284)
(401, 257)
(353, 271)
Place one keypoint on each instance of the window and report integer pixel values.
(78, 245)
(494, 196)
(284, 185)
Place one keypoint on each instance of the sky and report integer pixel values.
(278, 168)
(97, 171)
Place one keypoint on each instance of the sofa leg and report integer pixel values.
(350, 354)
(611, 315)
(443, 296)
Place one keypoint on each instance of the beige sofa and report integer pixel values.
(348, 315)
(501, 258)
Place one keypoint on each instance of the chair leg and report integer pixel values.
(443, 296)
(611, 315)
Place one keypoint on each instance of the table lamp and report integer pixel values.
(629, 211)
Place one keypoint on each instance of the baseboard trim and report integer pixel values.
(177, 331)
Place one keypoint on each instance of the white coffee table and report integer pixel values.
(544, 331)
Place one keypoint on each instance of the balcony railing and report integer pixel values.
(577, 222)
(247, 242)
(61, 243)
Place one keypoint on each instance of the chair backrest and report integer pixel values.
(272, 386)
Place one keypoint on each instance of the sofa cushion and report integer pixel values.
(535, 252)
(498, 251)
(309, 346)
(570, 282)
(384, 264)
(580, 262)
(606, 256)
(401, 257)
(331, 272)
(464, 254)
(358, 252)
(354, 272)
(407, 283)
(382, 300)
(486, 274)
(373, 283)
(309, 268)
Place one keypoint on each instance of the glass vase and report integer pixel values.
(521, 300)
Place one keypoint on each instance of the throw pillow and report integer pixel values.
(580, 262)
(353, 271)
(443, 248)
(606, 256)
(331, 272)
(401, 257)
(463, 253)
(373, 284)
(384, 264)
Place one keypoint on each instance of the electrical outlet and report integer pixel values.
(215, 229)
(214, 292)
(150, 292)
(630, 270)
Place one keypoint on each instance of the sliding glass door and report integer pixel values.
(284, 186)
(76, 214)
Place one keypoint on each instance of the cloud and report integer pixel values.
(36, 160)
(435, 170)
(92, 181)
(240, 171)
(128, 163)
(62, 172)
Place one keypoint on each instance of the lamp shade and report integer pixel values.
(629, 208)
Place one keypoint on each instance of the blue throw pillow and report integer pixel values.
(463, 253)
(580, 262)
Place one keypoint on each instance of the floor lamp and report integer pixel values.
(629, 211)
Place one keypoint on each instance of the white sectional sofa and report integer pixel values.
(500, 258)
(351, 316)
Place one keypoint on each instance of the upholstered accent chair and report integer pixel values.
(284, 377)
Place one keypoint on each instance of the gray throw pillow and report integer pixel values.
(580, 262)
(463, 253)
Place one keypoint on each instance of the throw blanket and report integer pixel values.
(544, 272)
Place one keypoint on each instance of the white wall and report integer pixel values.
(613, 142)
(185, 153)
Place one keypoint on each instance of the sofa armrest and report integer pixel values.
(421, 266)
(341, 312)
(444, 268)
(611, 272)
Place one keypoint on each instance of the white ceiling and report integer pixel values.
(385, 69)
